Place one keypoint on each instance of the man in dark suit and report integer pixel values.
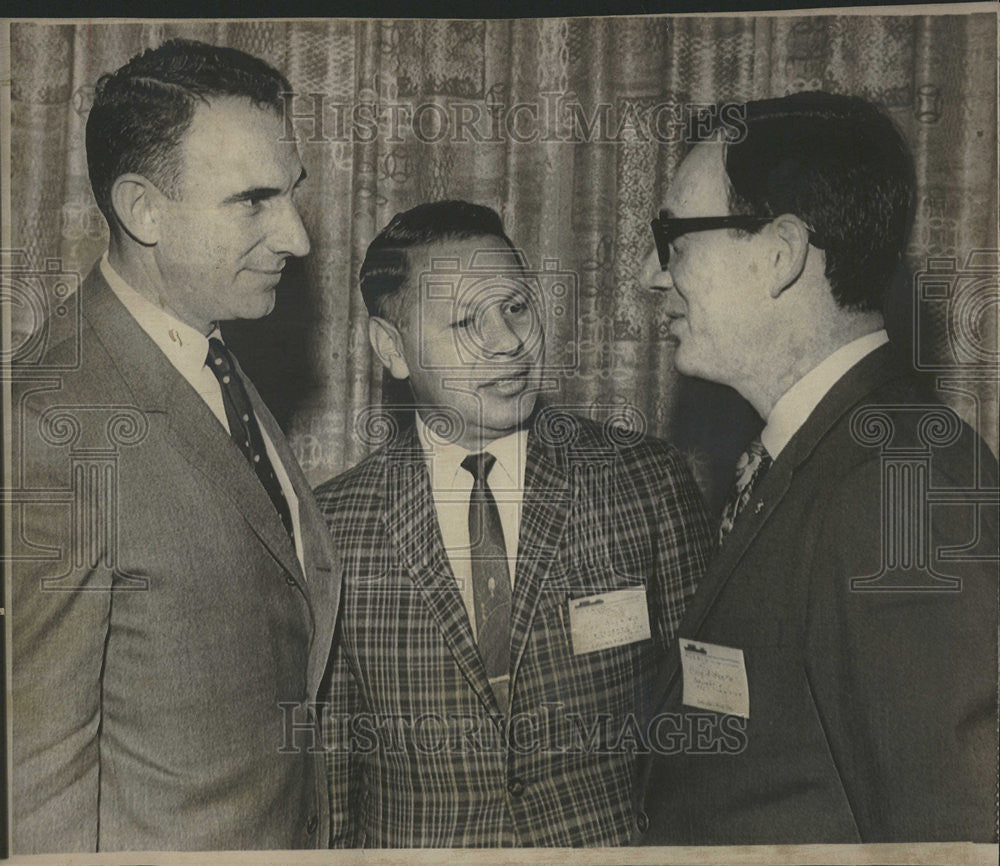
(174, 587)
(845, 624)
(512, 575)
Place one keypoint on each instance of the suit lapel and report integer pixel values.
(771, 491)
(544, 512)
(872, 371)
(211, 450)
(196, 433)
(411, 525)
(322, 576)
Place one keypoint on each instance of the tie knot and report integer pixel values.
(479, 465)
(756, 448)
(752, 457)
(218, 356)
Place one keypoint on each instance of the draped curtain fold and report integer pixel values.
(559, 137)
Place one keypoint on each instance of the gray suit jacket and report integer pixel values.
(166, 641)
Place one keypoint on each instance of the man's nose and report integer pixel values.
(652, 275)
(497, 335)
(289, 235)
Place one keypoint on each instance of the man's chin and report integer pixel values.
(683, 362)
(263, 307)
(514, 414)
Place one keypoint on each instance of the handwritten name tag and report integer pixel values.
(715, 678)
(607, 620)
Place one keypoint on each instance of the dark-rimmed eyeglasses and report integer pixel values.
(666, 229)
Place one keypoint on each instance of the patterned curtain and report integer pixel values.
(568, 127)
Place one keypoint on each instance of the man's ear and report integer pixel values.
(136, 204)
(790, 251)
(388, 345)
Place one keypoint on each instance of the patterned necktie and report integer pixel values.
(490, 576)
(750, 468)
(244, 429)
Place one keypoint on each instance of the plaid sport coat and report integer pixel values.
(419, 751)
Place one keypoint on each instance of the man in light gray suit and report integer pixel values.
(174, 588)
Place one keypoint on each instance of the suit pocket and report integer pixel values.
(788, 757)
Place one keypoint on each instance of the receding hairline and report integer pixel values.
(398, 300)
(203, 108)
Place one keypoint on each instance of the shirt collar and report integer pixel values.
(444, 459)
(798, 402)
(186, 347)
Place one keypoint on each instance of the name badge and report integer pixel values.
(715, 678)
(607, 620)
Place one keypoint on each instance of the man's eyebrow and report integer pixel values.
(262, 192)
(257, 192)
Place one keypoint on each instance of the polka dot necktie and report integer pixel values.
(490, 576)
(750, 468)
(244, 429)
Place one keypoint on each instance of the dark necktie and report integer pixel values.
(490, 576)
(750, 468)
(244, 429)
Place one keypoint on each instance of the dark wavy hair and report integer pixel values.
(142, 111)
(841, 165)
(387, 265)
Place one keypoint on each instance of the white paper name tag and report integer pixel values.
(715, 678)
(609, 619)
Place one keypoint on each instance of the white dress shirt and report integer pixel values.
(798, 402)
(187, 349)
(452, 489)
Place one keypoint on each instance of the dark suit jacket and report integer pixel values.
(165, 637)
(422, 756)
(872, 706)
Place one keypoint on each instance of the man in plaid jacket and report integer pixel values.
(603, 532)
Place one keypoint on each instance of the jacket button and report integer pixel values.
(642, 822)
(516, 787)
(290, 580)
(311, 824)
